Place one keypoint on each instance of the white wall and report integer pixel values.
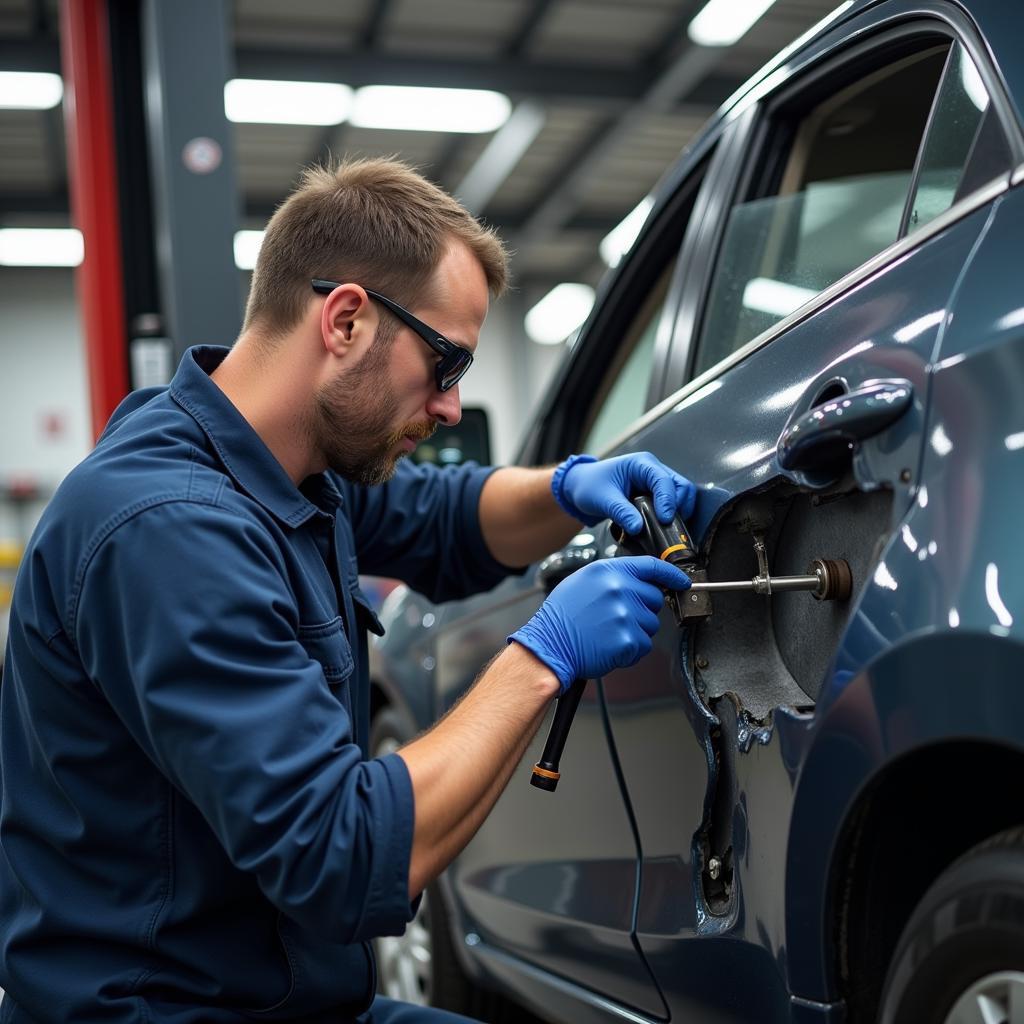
(44, 410)
(509, 376)
(44, 418)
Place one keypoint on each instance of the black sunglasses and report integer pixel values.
(455, 360)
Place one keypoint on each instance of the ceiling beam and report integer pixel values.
(40, 18)
(51, 202)
(500, 156)
(519, 43)
(37, 54)
(514, 75)
(374, 24)
(54, 202)
(614, 86)
(675, 82)
(441, 169)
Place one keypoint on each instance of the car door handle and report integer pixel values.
(828, 433)
(564, 563)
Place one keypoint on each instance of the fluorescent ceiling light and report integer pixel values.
(247, 248)
(724, 22)
(411, 108)
(620, 239)
(29, 90)
(256, 100)
(41, 247)
(559, 313)
(775, 297)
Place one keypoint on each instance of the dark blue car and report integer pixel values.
(791, 810)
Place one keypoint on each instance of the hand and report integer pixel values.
(601, 617)
(591, 491)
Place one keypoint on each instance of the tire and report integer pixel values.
(422, 967)
(960, 959)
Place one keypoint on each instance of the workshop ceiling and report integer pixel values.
(605, 94)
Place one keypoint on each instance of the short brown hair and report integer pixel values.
(374, 222)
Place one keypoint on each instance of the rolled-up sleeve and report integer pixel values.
(186, 623)
(423, 527)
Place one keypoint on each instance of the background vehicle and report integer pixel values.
(788, 811)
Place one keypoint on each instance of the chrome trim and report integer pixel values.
(1017, 176)
(968, 205)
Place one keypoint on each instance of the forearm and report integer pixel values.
(459, 768)
(519, 517)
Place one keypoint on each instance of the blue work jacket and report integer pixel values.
(191, 829)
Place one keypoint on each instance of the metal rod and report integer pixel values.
(760, 584)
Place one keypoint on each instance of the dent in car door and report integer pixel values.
(710, 750)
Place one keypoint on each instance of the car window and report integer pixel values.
(835, 196)
(965, 148)
(622, 397)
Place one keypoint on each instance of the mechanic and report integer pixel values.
(192, 829)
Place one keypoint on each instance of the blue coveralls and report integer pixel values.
(191, 829)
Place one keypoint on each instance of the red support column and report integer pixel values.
(92, 173)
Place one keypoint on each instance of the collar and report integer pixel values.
(248, 461)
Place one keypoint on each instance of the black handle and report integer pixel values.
(824, 437)
(671, 543)
(545, 771)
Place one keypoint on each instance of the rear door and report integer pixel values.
(866, 185)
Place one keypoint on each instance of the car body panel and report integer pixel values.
(853, 339)
(940, 613)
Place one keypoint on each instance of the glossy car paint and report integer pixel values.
(590, 904)
(856, 340)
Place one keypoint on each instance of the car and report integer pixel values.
(791, 809)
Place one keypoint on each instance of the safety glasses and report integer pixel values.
(455, 360)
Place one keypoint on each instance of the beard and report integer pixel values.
(353, 421)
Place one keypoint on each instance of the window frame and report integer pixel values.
(558, 428)
(933, 116)
(833, 59)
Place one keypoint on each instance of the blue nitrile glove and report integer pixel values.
(590, 491)
(601, 617)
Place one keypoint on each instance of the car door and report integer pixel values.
(867, 183)
(552, 879)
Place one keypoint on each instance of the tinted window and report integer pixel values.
(965, 148)
(622, 397)
(836, 199)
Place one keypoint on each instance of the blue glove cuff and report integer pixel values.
(539, 650)
(558, 490)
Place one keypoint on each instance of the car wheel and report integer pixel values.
(960, 959)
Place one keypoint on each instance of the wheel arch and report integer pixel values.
(900, 778)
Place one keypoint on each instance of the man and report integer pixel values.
(191, 828)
